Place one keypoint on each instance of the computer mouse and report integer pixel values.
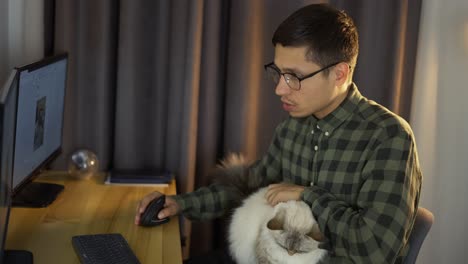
(150, 216)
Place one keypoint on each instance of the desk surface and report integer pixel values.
(90, 207)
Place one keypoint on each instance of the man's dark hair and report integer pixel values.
(329, 34)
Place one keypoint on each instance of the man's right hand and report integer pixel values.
(170, 207)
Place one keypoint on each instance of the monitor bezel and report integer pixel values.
(4, 93)
(37, 171)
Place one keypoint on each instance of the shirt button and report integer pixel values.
(311, 183)
(312, 132)
(318, 127)
(316, 147)
(327, 134)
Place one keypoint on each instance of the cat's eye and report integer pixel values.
(283, 247)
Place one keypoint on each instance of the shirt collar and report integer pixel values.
(333, 120)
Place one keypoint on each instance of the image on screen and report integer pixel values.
(39, 123)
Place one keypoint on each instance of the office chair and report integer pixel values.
(422, 225)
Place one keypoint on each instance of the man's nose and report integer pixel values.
(282, 88)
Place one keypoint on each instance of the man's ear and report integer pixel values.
(342, 71)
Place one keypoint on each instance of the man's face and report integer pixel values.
(319, 95)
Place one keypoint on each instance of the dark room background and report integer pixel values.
(179, 83)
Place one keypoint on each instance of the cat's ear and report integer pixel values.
(315, 234)
(276, 223)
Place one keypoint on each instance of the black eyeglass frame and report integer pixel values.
(270, 66)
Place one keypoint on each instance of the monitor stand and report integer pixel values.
(17, 257)
(37, 194)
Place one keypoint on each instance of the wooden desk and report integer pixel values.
(90, 207)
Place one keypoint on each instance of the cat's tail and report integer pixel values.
(233, 172)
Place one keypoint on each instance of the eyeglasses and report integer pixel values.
(291, 79)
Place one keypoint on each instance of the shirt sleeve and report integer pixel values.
(269, 167)
(378, 226)
(204, 203)
(215, 200)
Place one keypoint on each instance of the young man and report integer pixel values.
(351, 160)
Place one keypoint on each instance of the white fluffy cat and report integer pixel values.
(261, 233)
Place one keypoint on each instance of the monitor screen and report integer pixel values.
(7, 135)
(39, 123)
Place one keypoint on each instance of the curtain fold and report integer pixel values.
(21, 34)
(178, 84)
(87, 31)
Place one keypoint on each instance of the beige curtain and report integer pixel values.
(21, 34)
(179, 83)
(440, 123)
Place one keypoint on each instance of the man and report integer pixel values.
(351, 160)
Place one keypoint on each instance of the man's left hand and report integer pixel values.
(283, 192)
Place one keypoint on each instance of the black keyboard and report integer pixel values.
(103, 249)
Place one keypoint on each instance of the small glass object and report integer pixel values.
(83, 164)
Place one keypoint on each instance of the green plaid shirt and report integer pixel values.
(363, 179)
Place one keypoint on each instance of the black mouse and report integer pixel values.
(150, 216)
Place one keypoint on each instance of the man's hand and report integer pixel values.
(170, 207)
(283, 192)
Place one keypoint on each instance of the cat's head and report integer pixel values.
(294, 228)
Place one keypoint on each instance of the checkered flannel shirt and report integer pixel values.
(362, 176)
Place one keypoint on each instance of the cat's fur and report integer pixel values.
(260, 233)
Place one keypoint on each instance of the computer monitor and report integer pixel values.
(8, 96)
(39, 124)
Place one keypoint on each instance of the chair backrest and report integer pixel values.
(422, 225)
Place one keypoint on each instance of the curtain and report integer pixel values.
(178, 84)
(21, 34)
(440, 124)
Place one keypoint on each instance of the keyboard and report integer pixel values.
(103, 249)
